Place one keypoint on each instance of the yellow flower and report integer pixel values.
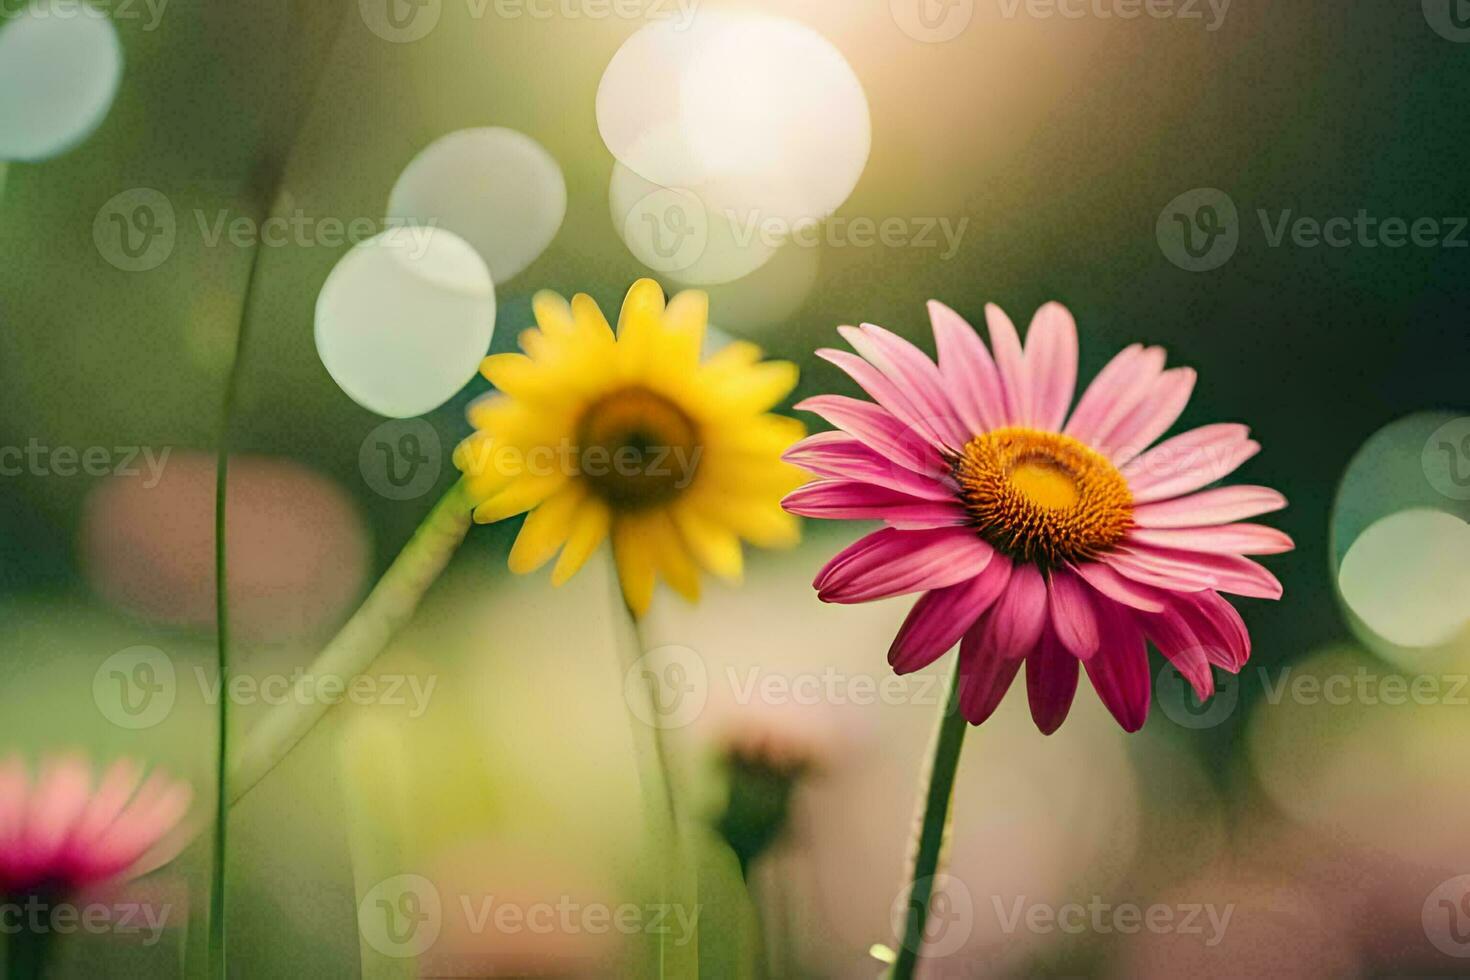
(631, 436)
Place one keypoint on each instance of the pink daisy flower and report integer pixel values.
(63, 832)
(1039, 534)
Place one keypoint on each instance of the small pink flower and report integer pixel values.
(1037, 536)
(63, 832)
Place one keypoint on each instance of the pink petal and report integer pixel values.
(60, 796)
(1120, 589)
(1119, 671)
(1072, 616)
(1151, 417)
(1148, 569)
(879, 430)
(115, 789)
(1011, 360)
(1219, 506)
(1118, 387)
(885, 392)
(942, 616)
(1177, 642)
(15, 788)
(1228, 573)
(845, 500)
(838, 456)
(985, 676)
(1051, 683)
(146, 825)
(969, 373)
(912, 371)
(891, 562)
(1051, 363)
(1219, 626)
(1013, 625)
(1189, 461)
(1224, 539)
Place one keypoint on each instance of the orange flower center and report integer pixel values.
(637, 448)
(1042, 496)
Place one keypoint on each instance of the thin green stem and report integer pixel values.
(933, 827)
(360, 641)
(217, 948)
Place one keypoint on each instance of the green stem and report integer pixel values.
(217, 951)
(649, 744)
(352, 651)
(27, 951)
(943, 764)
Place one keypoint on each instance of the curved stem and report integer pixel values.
(933, 826)
(217, 954)
(352, 651)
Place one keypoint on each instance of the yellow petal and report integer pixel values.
(553, 314)
(589, 527)
(685, 319)
(672, 558)
(716, 547)
(643, 309)
(762, 522)
(588, 316)
(634, 559)
(523, 493)
(546, 529)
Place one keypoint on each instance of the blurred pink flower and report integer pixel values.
(1037, 536)
(63, 831)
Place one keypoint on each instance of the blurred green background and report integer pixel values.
(1060, 141)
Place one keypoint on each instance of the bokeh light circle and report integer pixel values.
(1410, 464)
(60, 65)
(1407, 577)
(496, 188)
(404, 319)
